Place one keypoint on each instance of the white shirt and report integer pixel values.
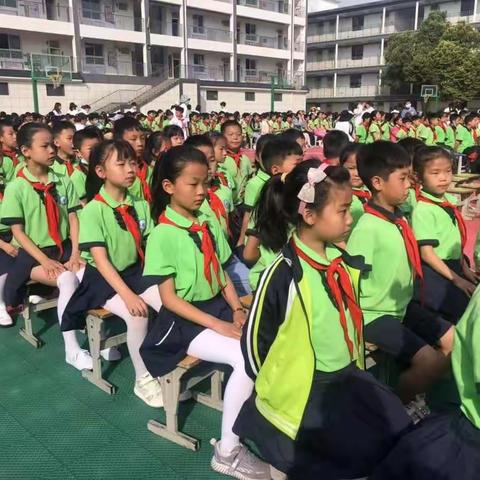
(183, 124)
(346, 127)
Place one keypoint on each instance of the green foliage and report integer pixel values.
(439, 53)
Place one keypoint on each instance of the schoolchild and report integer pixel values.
(333, 144)
(157, 144)
(396, 324)
(295, 135)
(361, 131)
(175, 134)
(113, 227)
(201, 313)
(219, 143)
(441, 233)
(314, 413)
(8, 149)
(40, 207)
(374, 133)
(63, 132)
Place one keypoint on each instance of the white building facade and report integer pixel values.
(346, 46)
(120, 49)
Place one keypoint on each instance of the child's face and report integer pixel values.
(64, 141)
(434, 122)
(407, 124)
(86, 148)
(8, 138)
(118, 171)
(437, 176)
(177, 140)
(233, 134)
(166, 146)
(178, 114)
(395, 189)
(220, 150)
(42, 150)
(108, 136)
(301, 141)
(334, 221)
(212, 162)
(351, 166)
(189, 189)
(290, 162)
(136, 139)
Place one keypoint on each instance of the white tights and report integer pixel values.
(3, 279)
(213, 347)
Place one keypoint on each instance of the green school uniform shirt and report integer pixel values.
(240, 175)
(266, 258)
(225, 195)
(441, 134)
(7, 171)
(388, 287)
(100, 226)
(331, 350)
(59, 167)
(450, 137)
(171, 252)
(136, 188)
(254, 188)
(386, 127)
(373, 129)
(23, 205)
(79, 179)
(413, 132)
(356, 210)
(433, 226)
(409, 204)
(466, 360)
(426, 134)
(476, 253)
(465, 138)
(361, 133)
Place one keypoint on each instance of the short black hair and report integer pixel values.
(380, 159)
(173, 131)
(276, 151)
(60, 126)
(334, 142)
(351, 149)
(87, 133)
(199, 141)
(292, 135)
(124, 124)
(230, 123)
(426, 154)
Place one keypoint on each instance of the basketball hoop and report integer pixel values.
(56, 79)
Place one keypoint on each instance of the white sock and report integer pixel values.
(151, 296)
(3, 279)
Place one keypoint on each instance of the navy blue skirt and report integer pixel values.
(169, 337)
(441, 447)
(6, 261)
(21, 270)
(350, 423)
(439, 294)
(94, 291)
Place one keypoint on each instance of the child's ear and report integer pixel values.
(309, 217)
(24, 149)
(100, 171)
(377, 183)
(167, 186)
(275, 170)
(55, 142)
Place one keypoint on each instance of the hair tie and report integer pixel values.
(283, 177)
(307, 192)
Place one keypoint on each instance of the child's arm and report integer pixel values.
(52, 267)
(135, 304)
(432, 259)
(8, 248)
(246, 219)
(75, 261)
(186, 310)
(231, 297)
(251, 252)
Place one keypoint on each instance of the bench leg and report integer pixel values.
(94, 332)
(171, 392)
(214, 400)
(27, 330)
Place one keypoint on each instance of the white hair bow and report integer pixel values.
(307, 193)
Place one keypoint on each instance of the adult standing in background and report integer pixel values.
(408, 110)
(57, 110)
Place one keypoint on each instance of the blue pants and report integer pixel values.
(238, 272)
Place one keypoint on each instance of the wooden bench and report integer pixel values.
(27, 312)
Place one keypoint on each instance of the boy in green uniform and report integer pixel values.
(427, 132)
(361, 131)
(415, 128)
(63, 140)
(383, 237)
(386, 126)
(464, 137)
(8, 148)
(374, 130)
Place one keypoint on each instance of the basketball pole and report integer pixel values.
(36, 109)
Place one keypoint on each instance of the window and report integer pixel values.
(249, 96)
(94, 54)
(8, 3)
(122, 6)
(357, 22)
(212, 95)
(198, 63)
(91, 9)
(357, 52)
(251, 32)
(466, 7)
(3, 88)
(250, 64)
(9, 42)
(55, 92)
(278, 97)
(356, 80)
(197, 21)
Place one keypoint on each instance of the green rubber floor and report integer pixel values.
(56, 425)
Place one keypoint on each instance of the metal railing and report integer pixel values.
(279, 6)
(360, 62)
(160, 28)
(364, 32)
(322, 92)
(321, 65)
(263, 41)
(109, 19)
(204, 72)
(320, 37)
(38, 10)
(93, 65)
(207, 33)
(365, 91)
(12, 59)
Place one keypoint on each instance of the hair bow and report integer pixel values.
(307, 192)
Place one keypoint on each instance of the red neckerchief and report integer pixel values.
(435, 135)
(142, 171)
(340, 286)
(210, 259)
(237, 157)
(70, 168)
(409, 239)
(217, 206)
(458, 216)
(418, 190)
(12, 154)
(362, 195)
(130, 223)
(443, 127)
(223, 179)
(51, 208)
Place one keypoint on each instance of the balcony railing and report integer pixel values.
(321, 37)
(160, 28)
(38, 10)
(365, 91)
(12, 59)
(100, 66)
(206, 33)
(360, 62)
(109, 19)
(364, 32)
(204, 72)
(263, 41)
(322, 92)
(279, 6)
(321, 65)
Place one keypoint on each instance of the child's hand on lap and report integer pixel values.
(470, 275)
(227, 329)
(135, 305)
(75, 262)
(465, 285)
(52, 268)
(239, 318)
(10, 249)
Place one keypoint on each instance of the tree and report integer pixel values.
(439, 53)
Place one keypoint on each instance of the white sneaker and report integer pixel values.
(111, 354)
(36, 299)
(148, 389)
(81, 360)
(5, 318)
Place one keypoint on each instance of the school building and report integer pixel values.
(345, 48)
(113, 52)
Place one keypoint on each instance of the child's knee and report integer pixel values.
(67, 280)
